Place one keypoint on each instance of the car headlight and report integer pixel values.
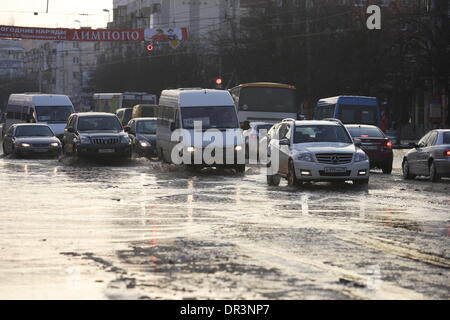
(85, 140)
(305, 157)
(144, 144)
(25, 145)
(360, 156)
(238, 148)
(55, 144)
(125, 139)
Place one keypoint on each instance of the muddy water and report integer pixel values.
(144, 230)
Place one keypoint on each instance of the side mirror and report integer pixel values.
(172, 126)
(285, 142)
(357, 142)
(127, 129)
(70, 129)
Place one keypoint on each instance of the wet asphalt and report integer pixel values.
(145, 230)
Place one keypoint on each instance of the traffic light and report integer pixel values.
(150, 47)
(219, 83)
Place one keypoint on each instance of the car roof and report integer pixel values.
(360, 126)
(316, 123)
(145, 118)
(88, 114)
(30, 124)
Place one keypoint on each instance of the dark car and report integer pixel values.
(430, 156)
(96, 134)
(142, 132)
(26, 139)
(375, 144)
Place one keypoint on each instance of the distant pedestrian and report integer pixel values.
(384, 122)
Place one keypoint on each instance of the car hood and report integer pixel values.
(325, 147)
(37, 140)
(146, 137)
(103, 134)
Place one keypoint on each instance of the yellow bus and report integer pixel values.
(265, 101)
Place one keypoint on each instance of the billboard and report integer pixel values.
(115, 35)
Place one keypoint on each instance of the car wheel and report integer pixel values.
(387, 169)
(406, 171)
(362, 182)
(75, 152)
(273, 180)
(240, 168)
(434, 177)
(4, 150)
(291, 177)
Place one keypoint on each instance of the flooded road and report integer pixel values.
(146, 230)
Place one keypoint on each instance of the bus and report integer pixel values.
(111, 102)
(51, 109)
(349, 109)
(265, 101)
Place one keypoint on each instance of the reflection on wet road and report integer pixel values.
(146, 230)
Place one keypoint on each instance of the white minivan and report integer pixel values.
(201, 126)
(51, 109)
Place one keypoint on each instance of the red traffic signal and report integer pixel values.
(150, 47)
(218, 81)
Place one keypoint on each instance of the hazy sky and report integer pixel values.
(61, 13)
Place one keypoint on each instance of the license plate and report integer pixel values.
(370, 147)
(334, 170)
(40, 150)
(105, 150)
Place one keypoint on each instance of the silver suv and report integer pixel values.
(315, 151)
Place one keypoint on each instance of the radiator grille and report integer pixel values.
(334, 158)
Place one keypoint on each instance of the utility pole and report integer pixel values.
(47, 6)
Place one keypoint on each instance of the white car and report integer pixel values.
(315, 150)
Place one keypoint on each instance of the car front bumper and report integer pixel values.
(35, 151)
(121, 150)
(313, 171)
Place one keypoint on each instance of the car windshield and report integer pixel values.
(263, 127)
(99, 123)
(53, 113)
(210, 117)
(358, 114)
(321, 133)
(365, 132)
(446, 138)
(34, 131)
(146, 126)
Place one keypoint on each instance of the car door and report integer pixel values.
(8, 140)
(423, 154)
(428, 152)
(286, 150)
(283, 150)
(415, 155)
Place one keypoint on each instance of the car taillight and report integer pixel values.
(447, 153)
(253, 136)
(388, 144)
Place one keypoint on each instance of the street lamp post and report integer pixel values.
(109, 17)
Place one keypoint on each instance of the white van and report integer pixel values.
(185, 109)
(51, 109)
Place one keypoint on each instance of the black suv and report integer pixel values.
(96, 134)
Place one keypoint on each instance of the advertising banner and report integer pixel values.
(116, 35)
